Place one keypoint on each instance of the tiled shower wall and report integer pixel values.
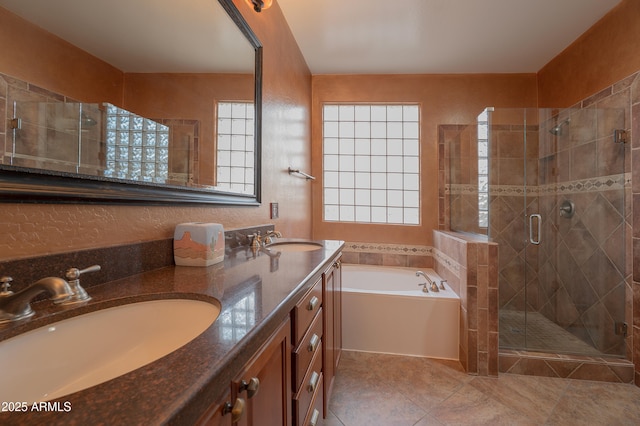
(586, 294)
(634, 298)
(581, 263)
(584, 152)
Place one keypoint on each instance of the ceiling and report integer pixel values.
(437, 36)
(145, 35)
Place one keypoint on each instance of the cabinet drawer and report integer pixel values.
(304, 353)
(314, 414)
(312, 385)
(305, 310)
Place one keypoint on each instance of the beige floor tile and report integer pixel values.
(388, 390)
(597, 403)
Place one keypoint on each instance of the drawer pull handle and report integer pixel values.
(238, 410)
(252, 387)
(313, 343)
(314, 417)
(313, 303)
(313, 382)
(336, 264)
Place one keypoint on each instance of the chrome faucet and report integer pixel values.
(17, 306)
(433, 285)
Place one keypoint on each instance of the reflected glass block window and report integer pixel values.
(239, 319)
(483, 168)
(236, 149)
(137, 148)
(371, 163)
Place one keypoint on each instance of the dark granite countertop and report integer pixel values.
(256, 290)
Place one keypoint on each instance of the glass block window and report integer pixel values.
(236, 148)
(371, 163)
(483, 168)
(137, 148)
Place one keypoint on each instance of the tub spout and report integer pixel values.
(432, 284)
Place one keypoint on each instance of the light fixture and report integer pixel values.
(259, 5)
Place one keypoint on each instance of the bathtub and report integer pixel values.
(384, 310)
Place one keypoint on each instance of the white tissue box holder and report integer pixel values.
(198, 244)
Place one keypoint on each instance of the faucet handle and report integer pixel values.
(424, 287)
(6, 283)
(79, 294)
(442, 283)
(74, 273)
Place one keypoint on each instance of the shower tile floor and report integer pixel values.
(389, 390)
(542, 334)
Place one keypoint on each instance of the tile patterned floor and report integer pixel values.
(390, 390)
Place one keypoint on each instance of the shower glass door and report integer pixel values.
(557, 210)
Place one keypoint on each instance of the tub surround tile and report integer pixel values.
(469, 261)
(371, 258)
(388, 255)
(386, 248)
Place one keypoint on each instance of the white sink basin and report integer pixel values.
(77, 353)
(295, 246)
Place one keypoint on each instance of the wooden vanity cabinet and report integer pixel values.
(332, 307)
(288, 381)
(261, 394)
(266, 400)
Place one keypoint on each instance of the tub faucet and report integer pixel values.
(16, 306)
(434, 286)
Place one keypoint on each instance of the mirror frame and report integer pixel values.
(25, 185)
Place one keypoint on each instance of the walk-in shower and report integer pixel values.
(549, 187)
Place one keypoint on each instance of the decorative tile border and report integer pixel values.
(602, 183)
(447, 262)
(388, 248)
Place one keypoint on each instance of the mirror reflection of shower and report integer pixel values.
(557, 129)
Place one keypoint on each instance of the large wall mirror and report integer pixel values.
(119, 101)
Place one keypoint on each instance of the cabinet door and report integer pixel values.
(264, 387)
(332, 339)
(218, 414)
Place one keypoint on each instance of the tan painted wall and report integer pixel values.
(606, 53)
(191, 97)
(36, 229)
(61, 67)
(444, 99)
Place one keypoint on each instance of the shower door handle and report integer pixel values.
(531, 239)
